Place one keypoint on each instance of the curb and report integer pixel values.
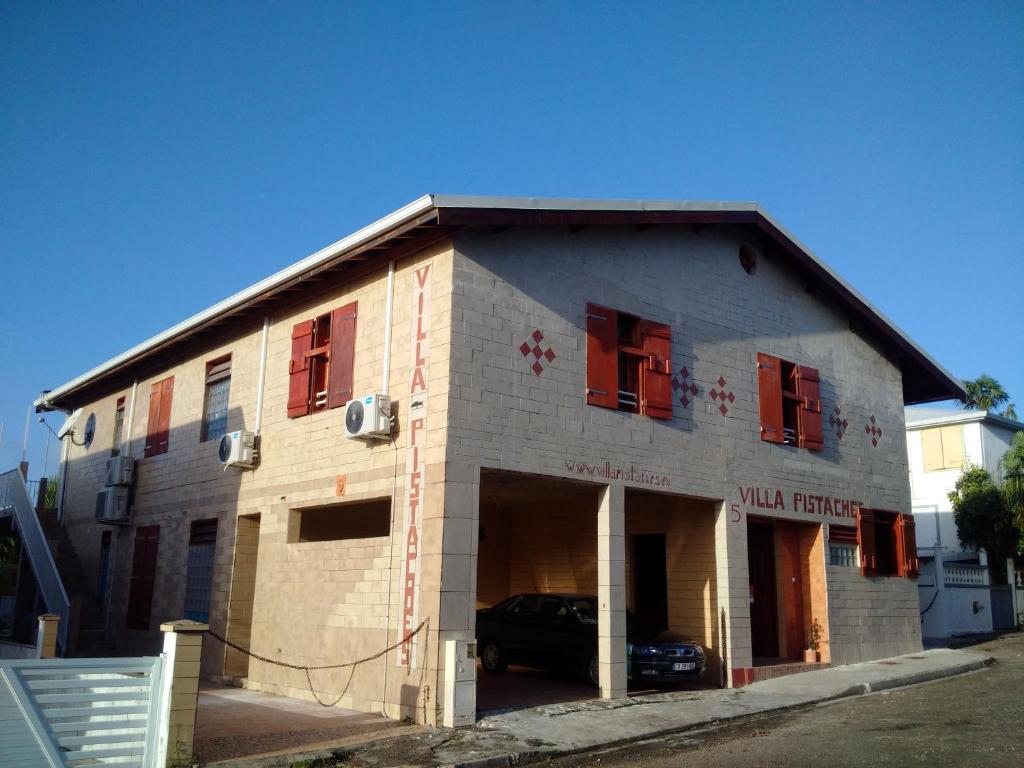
(525, 757)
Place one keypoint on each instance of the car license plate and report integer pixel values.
(682, 666)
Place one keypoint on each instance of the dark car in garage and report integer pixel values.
(559, 631)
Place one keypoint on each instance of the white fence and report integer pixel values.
(73, 712)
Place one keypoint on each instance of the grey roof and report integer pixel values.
(924, 379)
(919, 418)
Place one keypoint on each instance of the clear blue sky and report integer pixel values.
(155, 158)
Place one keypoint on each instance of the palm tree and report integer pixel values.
(1012, 466)
(984, 393)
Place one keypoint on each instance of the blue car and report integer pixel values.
(559, 631)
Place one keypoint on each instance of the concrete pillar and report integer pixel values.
(611, 591)
(46, 637)
(1011, 579)
(183, 645)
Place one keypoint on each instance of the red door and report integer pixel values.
(764, 628)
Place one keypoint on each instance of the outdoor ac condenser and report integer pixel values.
(459, 683)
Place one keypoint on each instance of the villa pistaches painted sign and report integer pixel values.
(753, 499)
(416, 430)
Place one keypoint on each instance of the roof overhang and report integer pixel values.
(431, 217)
(914, 422)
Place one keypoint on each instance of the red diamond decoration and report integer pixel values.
(685, 388)
(720, 394)
(837, 422)
(872, 428)
(532, 346)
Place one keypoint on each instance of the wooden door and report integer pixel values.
(764, 627)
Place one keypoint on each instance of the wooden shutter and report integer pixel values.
(163, 430)
(769, 392)
(154, 419)
(907, 547)
(602, 356)
(931, 449)
(140, 593)
(866, 540)
(952, 446)
(342, 357)
(298, 369)
(808, 388)
(657, 371)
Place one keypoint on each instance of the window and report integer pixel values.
(115, 446)
(159, 427)
(943, 448)
(629, 363)
(202, 544)
(322, 362)
(353, 520)
(842, 546)
(790, 403)
(140, 591)
(104, 568)
(215, 401)
(888, 544)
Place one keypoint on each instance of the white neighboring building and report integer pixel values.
(957, 596)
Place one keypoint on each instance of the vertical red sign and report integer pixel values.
(416, 427)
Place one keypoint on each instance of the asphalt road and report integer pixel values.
(971, 720)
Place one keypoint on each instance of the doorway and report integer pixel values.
(764, 628)
(650, 582)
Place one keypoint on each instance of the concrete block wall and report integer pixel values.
(871, 618)
(292, 616)
(540, 548)
(504, 416)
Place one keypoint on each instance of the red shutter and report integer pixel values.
(602, 356)
(808, 387)
(657, 371)
(298, 370)
(907, 547)
(140, 592)
(163, 429)
(769, 392)
(866, 540)
(342, 358)
(152, 426)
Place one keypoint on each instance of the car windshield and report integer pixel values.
(585, 609)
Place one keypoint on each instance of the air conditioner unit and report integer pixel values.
(120, 471)
(368, 418)
(238, 449)
(112, 505)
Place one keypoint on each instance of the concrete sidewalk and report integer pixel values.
(532, 735)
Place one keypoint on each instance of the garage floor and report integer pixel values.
(521, 688)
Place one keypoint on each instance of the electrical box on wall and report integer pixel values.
(459, 683)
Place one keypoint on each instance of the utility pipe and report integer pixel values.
(127, 436)
(388, 312)
(261, 376)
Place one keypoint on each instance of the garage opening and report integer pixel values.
(537, 572)
(788, 611)
(671, 590)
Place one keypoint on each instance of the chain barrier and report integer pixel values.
(316, 668)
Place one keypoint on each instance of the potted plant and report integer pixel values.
(813, 643)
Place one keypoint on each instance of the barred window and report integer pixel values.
(843, 555)
(202, 544)
(215, 408)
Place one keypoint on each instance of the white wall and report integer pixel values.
(933, 512)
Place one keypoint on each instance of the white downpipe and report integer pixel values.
(388, 315)
(260, 384)
(131, 420)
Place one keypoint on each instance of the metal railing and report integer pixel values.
(14, 497)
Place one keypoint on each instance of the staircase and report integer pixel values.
(15, 502)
